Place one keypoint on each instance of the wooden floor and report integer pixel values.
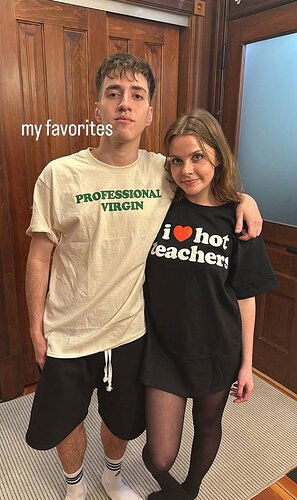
(285, 488)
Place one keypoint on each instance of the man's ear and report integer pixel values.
(97, 112)
(149, 117)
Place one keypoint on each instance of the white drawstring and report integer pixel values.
(108, 370)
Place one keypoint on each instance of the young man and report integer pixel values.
(98, 211)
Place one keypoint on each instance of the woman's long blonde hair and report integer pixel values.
(226, 183)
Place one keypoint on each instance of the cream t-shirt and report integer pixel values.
(103, 220)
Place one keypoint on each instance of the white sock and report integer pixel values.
(113, 484)
(76, 487)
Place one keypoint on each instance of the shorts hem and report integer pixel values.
(122, 435)
(51, 446)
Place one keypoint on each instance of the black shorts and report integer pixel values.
(65, 389)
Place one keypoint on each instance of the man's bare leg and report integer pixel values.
(71, 453)
(114, 449)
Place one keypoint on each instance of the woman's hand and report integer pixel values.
(248, 210)
(244, 386)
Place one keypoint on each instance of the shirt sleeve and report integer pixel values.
(250, 269)
(42, 219)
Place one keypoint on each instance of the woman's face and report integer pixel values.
(191, 169)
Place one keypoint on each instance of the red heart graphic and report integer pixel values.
(182, 233)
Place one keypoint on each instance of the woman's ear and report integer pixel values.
(218, 160)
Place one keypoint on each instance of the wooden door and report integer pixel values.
(49, 56)
(157, 43)
(275, 350)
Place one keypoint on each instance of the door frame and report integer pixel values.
(278, 21)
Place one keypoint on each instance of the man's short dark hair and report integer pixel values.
(124, 64)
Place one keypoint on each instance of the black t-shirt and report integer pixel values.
(196, 271)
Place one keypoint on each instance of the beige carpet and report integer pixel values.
(259, 446)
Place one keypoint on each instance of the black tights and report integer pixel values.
(165, 417)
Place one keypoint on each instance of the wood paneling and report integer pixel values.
(153, 54)
(11, 366)
(200, 57)
(76, 84)
(182, 6)
(247, 8)
(169, 82)
(55, 13)
(158, 44)
(11, 376)
(9, 319)
(97, 51)
(117, 45)
(55, 75)
(190, 42)
(277, 329)
(275, 349)
(13, 247)
(33, 77)
(278, 233)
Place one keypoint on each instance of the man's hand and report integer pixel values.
(40, 348)
(248, 210)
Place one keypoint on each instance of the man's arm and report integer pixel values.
(37, 277)
(248, 210)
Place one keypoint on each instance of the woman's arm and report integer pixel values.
(245, 376)
(248, 210)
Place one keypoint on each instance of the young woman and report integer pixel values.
(201, 280)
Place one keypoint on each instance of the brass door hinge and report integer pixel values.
(199, 8)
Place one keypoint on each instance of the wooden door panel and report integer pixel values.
(76, 84)
(282, 260)
(275, 328)
(117, 45)
(153, 136)
(275, 351)
(275, 336)
(33, 77)
(169, 80)
(58, 14)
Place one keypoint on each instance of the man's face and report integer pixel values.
(125, 104)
